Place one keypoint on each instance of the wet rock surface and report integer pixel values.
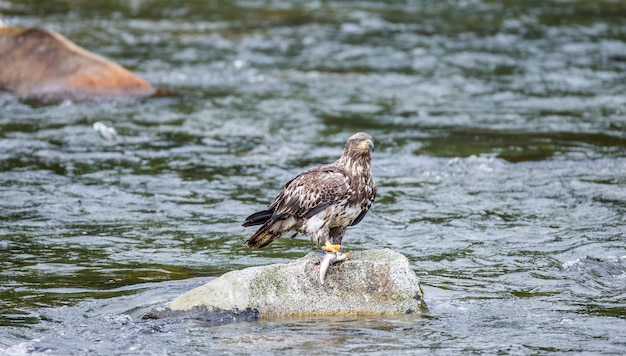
(372, 282)
(211, 316)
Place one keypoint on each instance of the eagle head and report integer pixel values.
(360, 142)
(357, 153)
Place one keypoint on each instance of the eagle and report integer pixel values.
(322, 201)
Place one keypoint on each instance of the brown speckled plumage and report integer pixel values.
(322, 201)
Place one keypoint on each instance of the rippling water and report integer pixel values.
(500, 130)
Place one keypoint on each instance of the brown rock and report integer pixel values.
(39, 63)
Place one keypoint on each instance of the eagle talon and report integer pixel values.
(328, 247)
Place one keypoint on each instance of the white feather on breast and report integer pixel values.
(336, 215)
(314, 224)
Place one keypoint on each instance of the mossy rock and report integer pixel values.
(373, 282)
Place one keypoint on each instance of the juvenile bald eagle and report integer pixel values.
(322, 201)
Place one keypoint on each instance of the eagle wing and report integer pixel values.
(312, 191)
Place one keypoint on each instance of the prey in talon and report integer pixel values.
(328, 258)
(321, 202)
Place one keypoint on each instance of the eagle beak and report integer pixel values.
(366, 145)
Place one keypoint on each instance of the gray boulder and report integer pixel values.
(373, 282)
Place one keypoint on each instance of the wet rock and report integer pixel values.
(372, 282)
(42, 64)
(211, 316)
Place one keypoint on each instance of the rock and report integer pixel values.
(372, 282)
(212, 317)
(42, 64)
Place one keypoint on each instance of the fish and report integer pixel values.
(329, 258)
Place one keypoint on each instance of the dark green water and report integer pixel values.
(500, 130)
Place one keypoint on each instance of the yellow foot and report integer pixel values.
(328, 247)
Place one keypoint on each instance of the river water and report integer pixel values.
(500, 131)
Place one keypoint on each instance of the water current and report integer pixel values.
(500, 132)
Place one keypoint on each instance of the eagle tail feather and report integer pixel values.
(258, 218)
(262, 237)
